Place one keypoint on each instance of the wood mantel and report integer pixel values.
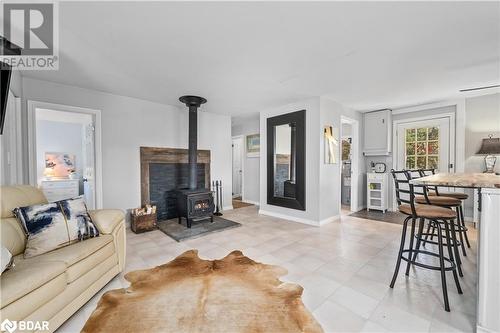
(167, 155)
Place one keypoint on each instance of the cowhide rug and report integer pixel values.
(234, 294)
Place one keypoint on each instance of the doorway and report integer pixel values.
(349, 174)
(237, 151)
(64, 152)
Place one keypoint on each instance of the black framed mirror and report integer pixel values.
(286, 160)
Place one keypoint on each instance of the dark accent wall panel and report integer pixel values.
(164, 180)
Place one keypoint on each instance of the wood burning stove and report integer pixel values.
(193, 203)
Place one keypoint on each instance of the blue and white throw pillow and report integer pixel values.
(45, 226)
(54, 225)
(80, 224)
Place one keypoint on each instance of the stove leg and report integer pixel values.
(212, 218)
(188, 222)
(180, 220)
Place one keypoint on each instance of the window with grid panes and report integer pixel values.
(422, 148)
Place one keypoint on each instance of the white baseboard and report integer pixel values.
(256, 203)
(480, 329)
(290, 218)
(230, 207)
(359, 208)
(329, 220)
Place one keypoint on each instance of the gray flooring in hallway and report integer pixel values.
(345, 268)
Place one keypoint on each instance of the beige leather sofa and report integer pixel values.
(55, 285)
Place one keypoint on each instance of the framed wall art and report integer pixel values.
(253, 145)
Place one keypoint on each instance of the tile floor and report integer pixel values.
(345, 268)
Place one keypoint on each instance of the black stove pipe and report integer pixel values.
(193, 103)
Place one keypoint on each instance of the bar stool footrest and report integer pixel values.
(424, 241)
(419, 264)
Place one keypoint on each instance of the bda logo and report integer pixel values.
(9, 326)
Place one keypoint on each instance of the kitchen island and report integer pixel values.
(488, 184)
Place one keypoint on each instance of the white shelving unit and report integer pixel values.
(376, 191)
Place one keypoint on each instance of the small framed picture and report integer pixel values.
(61, 165)
(253, 145)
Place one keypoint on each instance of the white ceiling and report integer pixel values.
(245, 57)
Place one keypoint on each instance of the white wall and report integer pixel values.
(129, 123)
(346, 130)
(313, 131)
(330, 182)
(322, 180)
(251, 165)
(16, 83)
(482, 119)
(9, 138)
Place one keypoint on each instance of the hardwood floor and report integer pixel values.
(238, 203)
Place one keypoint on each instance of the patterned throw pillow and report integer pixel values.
(54, 225)
(80, 224)
(45, 226)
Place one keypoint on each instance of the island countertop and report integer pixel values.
(473, 180)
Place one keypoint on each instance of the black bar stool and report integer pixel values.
(460, 225)
(441, 218)
(441, 201)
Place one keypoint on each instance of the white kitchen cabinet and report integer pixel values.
(377, 191)
(60, 189)
(378, 133)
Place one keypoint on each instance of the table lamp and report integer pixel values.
(490, 147)
(49, 173)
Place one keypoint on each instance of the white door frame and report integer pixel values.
(32, 106)
(242, 155)
(355, 167)
(458, 128)
(453, 143)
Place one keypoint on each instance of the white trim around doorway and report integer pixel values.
(450, 116)
(458, 130)
(457, 138)
(355, 167)
(32, 106)
(242, 158)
